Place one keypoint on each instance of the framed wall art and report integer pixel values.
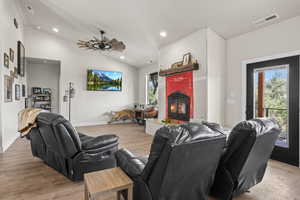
(100, 80)
(23, 90)
(8, 85)
(17, 92)
(11, 55)
(6, 60)
(21, 59)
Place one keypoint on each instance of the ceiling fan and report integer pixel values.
(103, 45)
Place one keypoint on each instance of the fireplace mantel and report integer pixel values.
(185, 68)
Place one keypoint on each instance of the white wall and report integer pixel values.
(194, 43)
(45, 75)
(9, 36)
(271, 41)
(143, 72)
(89, 107)
(216, 62)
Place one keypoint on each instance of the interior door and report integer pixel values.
(273, 91)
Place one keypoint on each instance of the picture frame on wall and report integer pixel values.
(23, 90)
(11, 55)
(187, 59)
(16, 72)
(6, 60)
(21, 59)
(8, 84)
(16, 23)
(17, 92)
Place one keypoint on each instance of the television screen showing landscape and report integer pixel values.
(99, 80)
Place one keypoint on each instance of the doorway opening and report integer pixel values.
(273, 91)
(43, 77)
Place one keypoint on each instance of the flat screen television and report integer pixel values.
(100, 80)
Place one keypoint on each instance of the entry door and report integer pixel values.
(273, 91)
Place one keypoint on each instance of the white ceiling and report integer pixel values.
(138, 22)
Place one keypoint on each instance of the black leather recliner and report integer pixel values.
(60, 146)
(243, 164)
(181, 164)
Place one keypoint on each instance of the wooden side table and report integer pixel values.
(110, 180)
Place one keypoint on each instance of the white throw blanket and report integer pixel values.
(27, 120)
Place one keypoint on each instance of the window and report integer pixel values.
(152, 87)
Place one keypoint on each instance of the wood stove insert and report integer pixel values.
(179, 106)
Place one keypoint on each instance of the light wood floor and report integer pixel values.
(23, 177)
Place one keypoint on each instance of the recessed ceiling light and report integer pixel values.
(56, 30)
(38, 27)
(163, 34)
(122, 57)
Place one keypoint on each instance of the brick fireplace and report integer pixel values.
(179, 96)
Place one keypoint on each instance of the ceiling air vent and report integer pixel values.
(266, 19)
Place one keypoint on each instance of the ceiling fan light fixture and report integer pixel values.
(103, 44)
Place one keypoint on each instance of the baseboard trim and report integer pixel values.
(99, 123)
(90, 123)
(8, 144)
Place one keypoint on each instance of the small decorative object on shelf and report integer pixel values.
(187, 59)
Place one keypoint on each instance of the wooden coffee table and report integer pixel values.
(110, 180)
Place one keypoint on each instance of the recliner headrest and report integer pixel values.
(49, 118)
(186, 133)
(258, 126)
(173, 136)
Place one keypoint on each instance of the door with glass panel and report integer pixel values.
(273, 91)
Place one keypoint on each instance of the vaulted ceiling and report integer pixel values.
(139, 22)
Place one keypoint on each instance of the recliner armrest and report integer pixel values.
(98, 142)
(129, 163)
